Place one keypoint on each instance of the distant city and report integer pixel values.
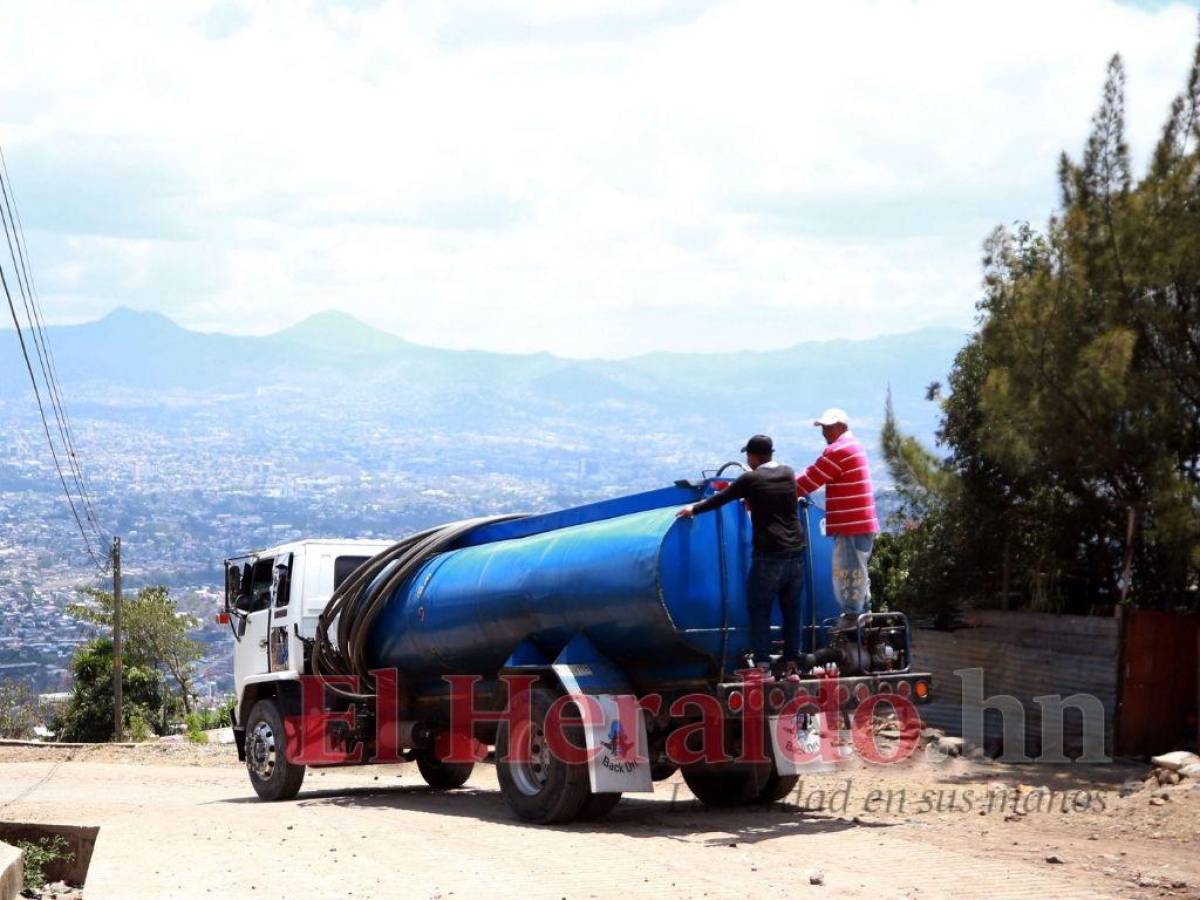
(197, 447)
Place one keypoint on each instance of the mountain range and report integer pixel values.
(332, 361)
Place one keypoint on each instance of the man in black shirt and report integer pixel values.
(769, 489)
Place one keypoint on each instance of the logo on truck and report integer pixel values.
(621, 747)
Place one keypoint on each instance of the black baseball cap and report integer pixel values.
(759, 445)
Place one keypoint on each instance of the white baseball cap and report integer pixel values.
(833, 416)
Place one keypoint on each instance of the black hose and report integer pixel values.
(357, 602)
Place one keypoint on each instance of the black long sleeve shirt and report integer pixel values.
(770, 491)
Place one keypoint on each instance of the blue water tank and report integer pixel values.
(652, 592)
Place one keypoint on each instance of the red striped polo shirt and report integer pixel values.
(849, 500)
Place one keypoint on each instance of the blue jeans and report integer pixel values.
(774, 576)
(851, 581)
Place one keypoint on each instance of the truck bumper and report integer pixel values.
(846, 693)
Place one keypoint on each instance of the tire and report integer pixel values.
(778, 787)
(443, 776)
(545, 790)
(597, 806)
(661, 767)
(273, 776)
(726, 785)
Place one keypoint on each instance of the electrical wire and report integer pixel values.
(45, 423)
(42, 343)
(357, 602)
(41, 353)
(40, 321)
(18, 251)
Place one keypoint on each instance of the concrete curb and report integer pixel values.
(81, 842)
(12, 871)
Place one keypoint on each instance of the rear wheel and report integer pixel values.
(273, 776)
(661, 767)
(597, 806)
(778, 787)
(440, 775)
(726, 785)
(536, 783)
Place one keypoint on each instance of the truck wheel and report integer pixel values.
(778, 787)
(543, 788)
(661, 766)
(274, 777)
(597, 806)
(725, 785)
(443, 776)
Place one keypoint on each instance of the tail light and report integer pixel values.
(222, 618)
(921, 690)
(735, 701)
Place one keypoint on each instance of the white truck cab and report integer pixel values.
(272, 600)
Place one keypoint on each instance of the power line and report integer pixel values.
(41, 343)
(37, 394)
(39, 351)
(18, 251)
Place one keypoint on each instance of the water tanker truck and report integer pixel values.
(623, 627)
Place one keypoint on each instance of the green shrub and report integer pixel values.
(195, 729)
(137, 729)
(39, 854)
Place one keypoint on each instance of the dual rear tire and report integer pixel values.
(538, 785)
(738, 784)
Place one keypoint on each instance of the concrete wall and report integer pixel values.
(1025, 655)
(12, 872)
(81, 840)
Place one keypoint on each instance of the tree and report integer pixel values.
(1072, 423)
(155, 632)
(89, 712)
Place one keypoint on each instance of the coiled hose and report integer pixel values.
(357, 601)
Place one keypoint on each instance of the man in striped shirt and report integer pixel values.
(843, 471)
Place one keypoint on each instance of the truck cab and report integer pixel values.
(272, 600)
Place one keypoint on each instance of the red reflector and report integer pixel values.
(222, 618)
(776, 698)
(861, 692)
(904, 689)
(885, 688)
(843, 695)
(735, 701)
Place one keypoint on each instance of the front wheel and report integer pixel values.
(274, 777)
(537, 785)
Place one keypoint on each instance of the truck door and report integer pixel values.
(279, 638)
(254, 606)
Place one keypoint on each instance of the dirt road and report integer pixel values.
(181, 822)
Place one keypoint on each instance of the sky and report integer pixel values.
(598, 178)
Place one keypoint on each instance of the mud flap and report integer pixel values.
(615, 736)
(803, 744)
(619, 762)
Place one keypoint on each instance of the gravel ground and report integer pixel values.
(180, 820)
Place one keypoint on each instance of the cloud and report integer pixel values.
(593, 178)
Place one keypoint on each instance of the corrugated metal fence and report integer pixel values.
(1024, 655)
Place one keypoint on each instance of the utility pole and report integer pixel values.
(118, 674)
